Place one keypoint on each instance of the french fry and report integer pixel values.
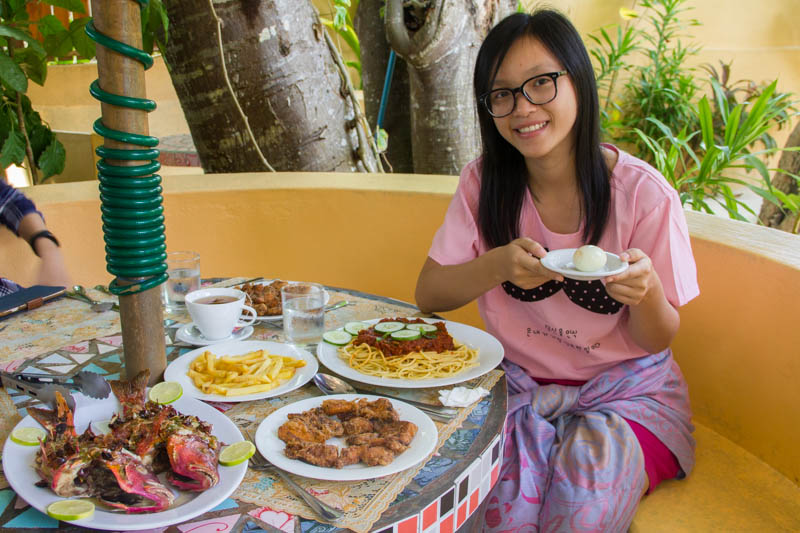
(237, 375)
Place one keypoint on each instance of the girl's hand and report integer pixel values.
(519, 263)
(633, 286)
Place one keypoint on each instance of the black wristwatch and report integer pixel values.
(42, 234)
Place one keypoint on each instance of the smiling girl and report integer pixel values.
(598, 409)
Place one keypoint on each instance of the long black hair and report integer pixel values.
(504, 174)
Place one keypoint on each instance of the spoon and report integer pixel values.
(333, 385)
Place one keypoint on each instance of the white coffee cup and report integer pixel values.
(216, 311)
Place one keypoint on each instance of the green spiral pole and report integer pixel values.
(130, 191)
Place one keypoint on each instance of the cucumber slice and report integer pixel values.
(354, 327)
(423, 328)
(337, 337)
(406, 335)
(388, 327)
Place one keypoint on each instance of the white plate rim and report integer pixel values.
(326, 296)
(490, 356)
(271, 446)
(182, 334)
(18, 466)
(176, 370)
(556, 260)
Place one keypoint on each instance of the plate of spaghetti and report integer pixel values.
(409, 353)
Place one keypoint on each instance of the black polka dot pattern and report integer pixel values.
(591, 295)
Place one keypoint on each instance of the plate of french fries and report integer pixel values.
(239, 371)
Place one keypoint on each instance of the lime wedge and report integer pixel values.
(68, 510)
(28, 436)
(237, 453)
(166, 392)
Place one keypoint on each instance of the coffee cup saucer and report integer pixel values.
(190, 333)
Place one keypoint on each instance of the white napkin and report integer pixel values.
(461, 396)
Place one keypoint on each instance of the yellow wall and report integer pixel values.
(738, 343)
(763, 42)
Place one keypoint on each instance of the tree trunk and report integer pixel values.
(771, 215)
(440, 41)
(285, 103)
(396, 120)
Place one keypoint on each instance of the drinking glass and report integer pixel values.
(183, 269)
(303, 313)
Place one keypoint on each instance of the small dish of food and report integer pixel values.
(265, 297)
(586, 263)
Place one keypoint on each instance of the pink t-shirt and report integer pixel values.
(575, 330)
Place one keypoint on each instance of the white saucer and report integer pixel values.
(190, 334)
(561, 261)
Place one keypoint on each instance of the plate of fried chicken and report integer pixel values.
(265, 297)
(346, 437)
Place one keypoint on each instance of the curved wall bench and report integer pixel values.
(739, 342)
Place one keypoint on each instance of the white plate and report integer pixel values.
(490, 354)
(561, 261)
(272, 447)
(176, 371)
(18, 467)
(274, 318)
(190, 334)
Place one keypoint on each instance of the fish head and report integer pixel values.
(59, 423)
(68, 478)
(194, 459)
(122, 481)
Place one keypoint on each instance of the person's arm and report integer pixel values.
(52, 270)
(653, 320)
(447, 287)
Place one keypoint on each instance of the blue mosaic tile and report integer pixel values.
(32, 518)
(478, 415)
(109, 377)
(112, 358)
(227, 503)
(252, 527)
(5, 497)
(309, 526)
(461, 440)
(20, 398)
(265, 483)
(91, 367)
(406, 494)
(433, 469)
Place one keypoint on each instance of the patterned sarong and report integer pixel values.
(571, 462)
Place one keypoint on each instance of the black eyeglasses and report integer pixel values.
(538, 90)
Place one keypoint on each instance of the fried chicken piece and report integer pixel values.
(357, 425)
(361, 438)
(317, 420)
(339, 408)
(377, 456)
(325, 455)
(295, 431)
(401, 430)
(349, 456)
(380, 409)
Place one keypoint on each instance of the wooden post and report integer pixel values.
(141, 314)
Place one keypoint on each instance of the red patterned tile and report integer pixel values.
(474, 500)
(213, 525)
(429, 515)
(446, 524)
(462, 514)
(409, 525)
(276, 519)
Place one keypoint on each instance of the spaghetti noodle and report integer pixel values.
(436, 355)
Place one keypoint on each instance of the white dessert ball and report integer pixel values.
(589, 258)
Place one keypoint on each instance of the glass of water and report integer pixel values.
(183, 269)
(303, 313)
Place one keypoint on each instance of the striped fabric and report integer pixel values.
(14, 206)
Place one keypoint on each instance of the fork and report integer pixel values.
(261, 463)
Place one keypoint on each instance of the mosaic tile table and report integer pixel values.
(442, 495)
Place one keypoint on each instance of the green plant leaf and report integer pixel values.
(40, 137)
(52, 160)
(12, 75)
(33, 44)
(13, 150)
(80, 40)
(382, 140)
(58, 45)
(34, 65)
(69, 5)
(50, 25)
